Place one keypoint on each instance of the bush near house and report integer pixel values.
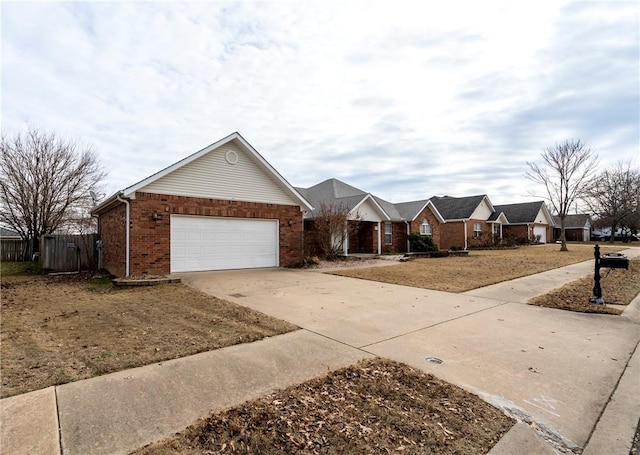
(421, 243)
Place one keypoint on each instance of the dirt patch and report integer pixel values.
(377, 406)
(480, 268)
(619, 287)
(60, 329)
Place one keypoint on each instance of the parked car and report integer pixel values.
(620, 238)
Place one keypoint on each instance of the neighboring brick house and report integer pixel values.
(577, 228)
(529, 221)
(224, 207)
(468, 220)
(423, 218)
(378, 227)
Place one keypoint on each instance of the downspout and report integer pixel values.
(127, 233)
(379, 244)
(466, 245)
(408, 234)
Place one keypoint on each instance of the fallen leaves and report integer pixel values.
(376, 406)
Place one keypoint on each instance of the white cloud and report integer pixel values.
(453, 97)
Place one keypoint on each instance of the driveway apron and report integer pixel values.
(553, 369)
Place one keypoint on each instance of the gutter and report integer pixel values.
(127, 232)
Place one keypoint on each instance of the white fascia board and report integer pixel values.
(304, 204)
(486, 198)
(433, 209)
(502, 218)
(364, 199)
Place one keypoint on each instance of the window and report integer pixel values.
(425, 228)
(387, 233)
(477, 230)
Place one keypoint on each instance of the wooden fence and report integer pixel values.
(11, 250)
(68, 253)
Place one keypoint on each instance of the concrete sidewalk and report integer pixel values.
(571, 376)
(120, 412)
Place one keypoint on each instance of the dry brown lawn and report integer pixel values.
(480, 268)
(377, 406)
(60, 329)
(619, 287)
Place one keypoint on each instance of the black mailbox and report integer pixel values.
(614, 261)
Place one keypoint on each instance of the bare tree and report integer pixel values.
(565, 173)
(614, 197)
(332, 225)
(43, 181)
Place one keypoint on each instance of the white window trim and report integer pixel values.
(388, 225)
(477, 230)
(425, 228)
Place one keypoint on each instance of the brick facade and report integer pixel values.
(433, 221)
(111, 227)
(150, 239)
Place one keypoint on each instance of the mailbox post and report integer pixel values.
(612, 261)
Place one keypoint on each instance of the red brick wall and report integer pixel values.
(433, 221)
(484, 237)
(398, 238)
(111, 227)
(150, 239)
(452, 234)
(519, 231)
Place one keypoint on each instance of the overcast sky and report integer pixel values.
(405, 100)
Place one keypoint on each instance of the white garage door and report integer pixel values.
(210, 243)
(542, 232)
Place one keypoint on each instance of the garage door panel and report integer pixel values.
(211, 243)
(542, 232)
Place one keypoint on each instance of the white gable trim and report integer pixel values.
(130, 191)
(368, 197)
(433, 209)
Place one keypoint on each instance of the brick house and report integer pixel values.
(377, 226)
(468, 220)
(577, 228)
(530, 221)
(223, 207)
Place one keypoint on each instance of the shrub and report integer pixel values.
(421, 243)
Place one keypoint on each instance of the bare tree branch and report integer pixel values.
(44, 179)
(566, 174)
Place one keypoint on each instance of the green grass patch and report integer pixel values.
(20, 268)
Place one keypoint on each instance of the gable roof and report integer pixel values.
(8, 234)
(410, 210)
(458, 208)
(239, 141)
(337, 193)
(577, 221)
(524, 212)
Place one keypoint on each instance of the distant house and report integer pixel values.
(8, 234)
(528, 220)
(577, 228)
(11, 245)
(378, 226)
(468, 220)
(384, 227)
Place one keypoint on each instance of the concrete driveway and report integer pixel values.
(548, 367)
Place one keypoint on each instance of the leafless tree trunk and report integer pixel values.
(614, 197)
(332, 227)
(43, 179)
(566, 174)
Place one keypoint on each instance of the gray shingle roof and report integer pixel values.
(524, 212)
(578, 221)
(8, 233)
(409, 210)
(457, 208)
(340, 194)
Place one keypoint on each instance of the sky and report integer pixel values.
(403, 99)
